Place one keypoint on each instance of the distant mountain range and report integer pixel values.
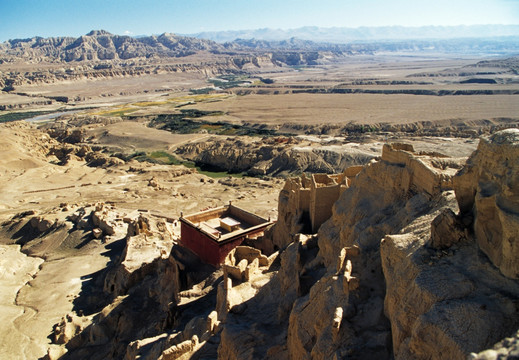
(343, 35)
(102, 45)
(304, 46)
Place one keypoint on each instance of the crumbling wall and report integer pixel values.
(322, 200)
(305, 203)
(292, 204)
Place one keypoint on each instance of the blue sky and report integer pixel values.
(27, 18)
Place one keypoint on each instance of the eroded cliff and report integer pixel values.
(399, 270)
(394, 272)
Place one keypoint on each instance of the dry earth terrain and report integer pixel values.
(90, 258)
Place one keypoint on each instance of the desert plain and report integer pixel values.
(335, 114)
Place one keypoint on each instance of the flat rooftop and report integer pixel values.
(216, 225)
(225, 222)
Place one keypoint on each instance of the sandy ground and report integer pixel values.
(34, 295)
(16, 269)
(136, 135)
(361, 108)
(41, 302)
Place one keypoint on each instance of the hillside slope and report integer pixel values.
(413, 263)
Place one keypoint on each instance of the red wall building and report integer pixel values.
(201, 233)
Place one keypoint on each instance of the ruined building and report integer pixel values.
(305, 203)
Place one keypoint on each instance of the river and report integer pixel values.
(50, 116)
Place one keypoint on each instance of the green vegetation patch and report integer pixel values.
(217, 174)
(155, 157)
(118, 112)
(229, 81)
(181, 123)
(185, 123)
(201, 91)
(165, 158)
(14, 116)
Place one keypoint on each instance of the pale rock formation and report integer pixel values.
(305, 297)
(54, 353)
(251, 329)
(180, 351)
(297, 272)
(306, 203)
(444, 299)
(149, 295)
(439, 307)
(198, 322)
(337, 319)
(15, 152)
(314, 326)
(66, 135)
(248, 253)
(143, 252)
(241, 279)
(97, 232)
(66, 152)
(104, 219)
(385, 195)
(273, 156)
(144, 288)
(42, 224)
(69, 326)
(385, 198)
(140, 225)
(290, 212)
(507, 348)
(487, 189)
(163, 172)
(330, 288)
(447, 230)
(393, 273)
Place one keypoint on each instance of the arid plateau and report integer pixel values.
(370, 193)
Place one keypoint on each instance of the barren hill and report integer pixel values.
(390, 170)
(414, 259)
(101, 45)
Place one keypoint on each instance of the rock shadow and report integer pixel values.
(92, 298)
(24, 234)
(131, 318)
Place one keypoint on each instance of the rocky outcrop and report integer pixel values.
(487, 191)
(507, 348)
(101, 45)
(291, 216)
(64, 153)
(395, 272)
(122, 68)
(273, 157)
(304, 204)
(444, 299)
(141, 291)
(345, 293)
(385, 196)
(438, 305)
(148, 244)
